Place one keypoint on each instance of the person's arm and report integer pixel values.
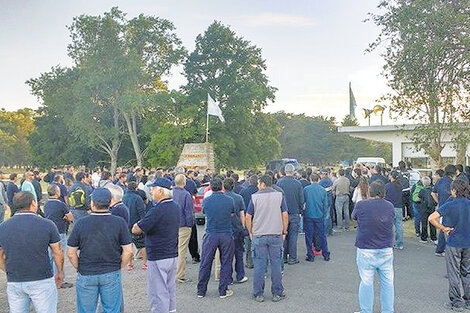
(434, 220)
(141, 208)
(249, 225)
(189, 207)
(434, 197)
(2, 260)
(58, 256)
(126, 255)
(68, 217)
(136, 230)
(285, 224)
(72, 254)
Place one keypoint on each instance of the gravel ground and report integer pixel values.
(420, 286)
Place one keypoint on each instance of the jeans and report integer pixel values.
(417, 217)
(315, 229)
(301, 225)
(210, 243)
(78, 214)
(161, 285)
(397, 221)
(441, 243)
(107, 286)
(2, 213)
(342, 208)
(370, 261)
(458, 272)
(238, 239)
(63, 245)
(267, 248)
(290, 244)
(42, 293)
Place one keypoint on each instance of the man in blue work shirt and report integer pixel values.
(294, 195)
(326, 183)
(316, 211)
(238, 226)
(219, 210)
(440, 194)
(246, 194)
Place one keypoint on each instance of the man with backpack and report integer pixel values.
(416, 204)
(79, 197)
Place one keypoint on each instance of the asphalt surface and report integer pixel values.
(420, 286)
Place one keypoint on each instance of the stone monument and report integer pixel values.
(197, 156)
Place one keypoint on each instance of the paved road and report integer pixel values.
(329, 287)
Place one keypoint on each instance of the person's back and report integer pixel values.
(394, 194)
(375, 224)
(293, 192)
(12, 189)
(315, 201)
(375, 219)
(133, 201)
(457, 215)
(218, 209)
(247, 192)
(266, 219)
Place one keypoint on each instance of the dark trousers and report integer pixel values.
(239, 243)
(193, 244)
(458, 273)
(424, 214)
(315, 230)
(290, 244)
(441, 243)
(210, 243)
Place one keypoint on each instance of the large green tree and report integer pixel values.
(15, 128)
(233, 71)
(427, 63)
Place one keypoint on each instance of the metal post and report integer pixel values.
(207, 124)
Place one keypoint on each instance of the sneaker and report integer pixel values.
(145, 267)
(434, 242)
(196, 261)
(259, 298)
(423, 241)
(200, 296)
(442, 254)
(450, 306)
(277, 298)
(66, 285)
(130, 267)
(243, 280)
(293, 262)
(217, 279)
(337, 230)
(184, 280)
(418, 235)
(327, 258)
(309, 259)
(249, 266)
(228, 293)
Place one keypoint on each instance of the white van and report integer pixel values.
(370, 161)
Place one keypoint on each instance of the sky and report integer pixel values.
(313, 48)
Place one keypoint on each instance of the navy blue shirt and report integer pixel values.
(237, 188)
(63, 192)
(394, 194)
(25, 238)
(374, 224)
(247, 192)
(218, 209)
(55, 211)
(293, 193)
(239, 207)
(191, 187)
(86, 189)
(456, 213)
(136, 207)
(121, 210)
(442, 188)
(99, 237)
(161, 225)
(12, 188)
(378, 177)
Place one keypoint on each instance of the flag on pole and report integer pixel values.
(352, 103)
(213, 108)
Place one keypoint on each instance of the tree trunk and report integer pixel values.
(132, 130)
(435, 155)
(115, 142)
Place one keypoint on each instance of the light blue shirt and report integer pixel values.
(316, 201)
(28, 186)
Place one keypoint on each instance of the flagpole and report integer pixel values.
(207, 124)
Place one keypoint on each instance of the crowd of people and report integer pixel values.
(103, 222)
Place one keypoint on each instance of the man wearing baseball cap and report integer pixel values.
(105, 247)
(161, 226)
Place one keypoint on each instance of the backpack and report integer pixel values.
(77, 198)
(415, 195)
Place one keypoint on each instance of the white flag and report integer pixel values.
(213, 108)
